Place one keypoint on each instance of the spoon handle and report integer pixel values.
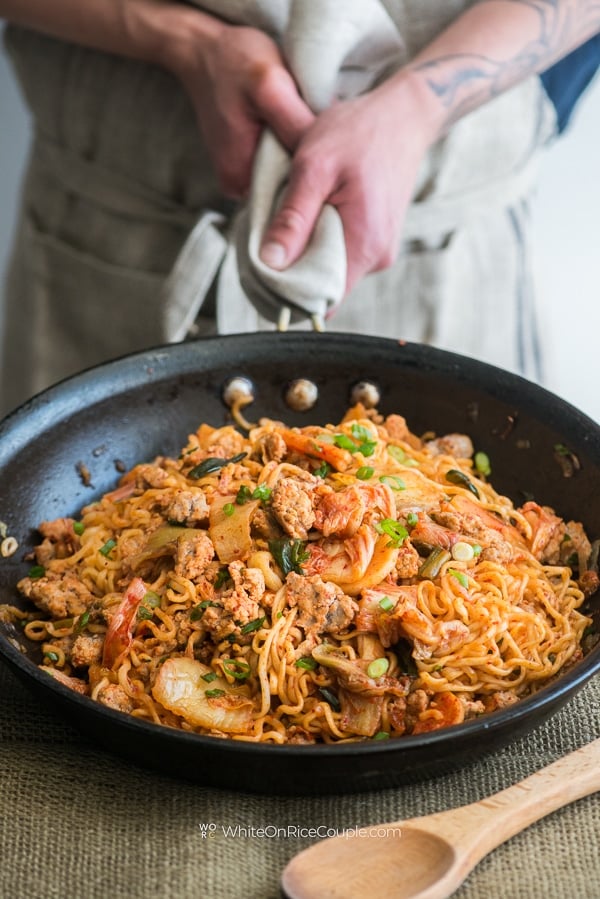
(491, 821)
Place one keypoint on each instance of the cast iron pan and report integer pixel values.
(143, 405)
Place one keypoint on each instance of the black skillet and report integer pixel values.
(143, 405)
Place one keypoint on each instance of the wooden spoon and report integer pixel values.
(429, 857)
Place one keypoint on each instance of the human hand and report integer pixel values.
(238, 83)
(361, 156)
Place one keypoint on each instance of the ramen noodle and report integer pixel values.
(314, 584)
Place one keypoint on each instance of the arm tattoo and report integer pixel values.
(463, 81)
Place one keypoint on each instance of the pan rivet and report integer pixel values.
(301, 395)
(366, 393)
(238, 391)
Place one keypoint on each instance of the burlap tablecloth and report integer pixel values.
(77, 823)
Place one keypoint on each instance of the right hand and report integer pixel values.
(238, 83)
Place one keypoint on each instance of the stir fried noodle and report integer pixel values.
(315, 584)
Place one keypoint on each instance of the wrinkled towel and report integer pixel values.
(335, 51)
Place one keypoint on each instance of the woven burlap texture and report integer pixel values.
(77, 822)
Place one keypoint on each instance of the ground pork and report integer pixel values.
(292, 506)
(60, 595)
(193, 556)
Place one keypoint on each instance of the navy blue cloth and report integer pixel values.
(567, 79)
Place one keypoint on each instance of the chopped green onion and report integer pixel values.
(344, 442)
(243, 495)
(378, 667)
(382, 735)
(323, 470)
(387, 604)
(289, 554)
(392, 481)
(477, 550)
(397, 453)
(198, 611)
(367, 442)
(212, 694)
(151, 599)
(52, 656)
(144, 614)
(237, 668)
(331, 698)
(412, 519)
(262, 492)
(108, 547)
(222, 577)
(213, 464)
(462, 551)
(482, 464)
(461, 480)
(78, 527)
(307, 662)
(209, 676)
(396, 531)
(82, 621)
(365, 472)
(252, 626)
(228, 509)
(36, 571)
(460, 576)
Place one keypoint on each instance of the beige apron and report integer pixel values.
(119, 193)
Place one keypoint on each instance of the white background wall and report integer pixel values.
(567, 217)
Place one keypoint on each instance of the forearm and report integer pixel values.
(490, 48)
(148, 30)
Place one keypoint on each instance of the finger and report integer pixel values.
(290, 230)
(279, 104)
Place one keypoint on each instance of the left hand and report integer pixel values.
(361, 156)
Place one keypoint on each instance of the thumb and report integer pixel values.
(289, 232)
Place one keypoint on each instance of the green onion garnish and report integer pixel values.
(228, 509)
(243, 495)
(365, 472)
(37, 571)
(222, 577)
(476, 549)
(345, 442)
(397, 453)
(144, 614)
(382, 735)
(378, 667)
(82, 621)
(396, 531)
(460, 576)
(252, 626)
(237, 668)
(306, 662)
(209, 676)
(262, 492)
(212, 694)
(393, 482)
(151, 599)
(108, 547)
(387, 604)
(323, 470)
(51, 656)
(78, 527)
(482, 464)
(412, 519)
